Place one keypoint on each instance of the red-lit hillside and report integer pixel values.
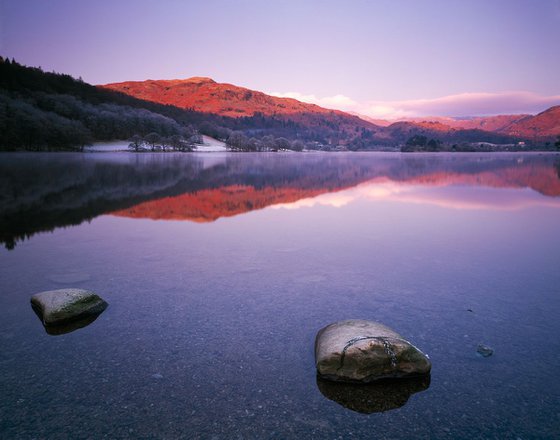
(487, 123)
(545, 124)
(541, 126)
(206, 95)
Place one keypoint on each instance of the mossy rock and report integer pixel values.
(64, 306)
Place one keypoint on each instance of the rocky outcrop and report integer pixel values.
(64, 307)
(363, 351)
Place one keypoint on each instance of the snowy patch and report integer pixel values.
(210, 145)
(108, 146)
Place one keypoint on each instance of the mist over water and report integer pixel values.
(220, 269)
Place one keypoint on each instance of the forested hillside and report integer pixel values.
(42, 111)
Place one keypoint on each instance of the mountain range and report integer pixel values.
(203, 94)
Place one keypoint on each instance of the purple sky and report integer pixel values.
(383, 58)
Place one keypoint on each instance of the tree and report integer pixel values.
(196, 138)
(282, 143)
(152, 139)
(433, 145)
(252, 144)
(297, 145)
(176, 142)
(136, 143)
(557, 144)
(237, 141)
(267, 143)
(417, 141)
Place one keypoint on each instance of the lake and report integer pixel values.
(219, 269)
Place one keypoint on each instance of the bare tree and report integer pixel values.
(136, 143)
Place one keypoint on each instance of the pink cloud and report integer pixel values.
(338, 102)
(478, 104)
(463, 104)
(443, 195)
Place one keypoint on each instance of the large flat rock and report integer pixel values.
(362, 351)
(58, 307)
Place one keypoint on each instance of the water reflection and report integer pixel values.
(451, 195)
(68, 327)
(374, 397)
(41, 192)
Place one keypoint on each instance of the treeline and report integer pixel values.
(36, 115)
(421, 143)
(155, 142)
(43, 122)
(237, 141)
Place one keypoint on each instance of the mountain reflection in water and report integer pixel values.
(41, 192)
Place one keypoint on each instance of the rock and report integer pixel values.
(378, 396)
(484, 350)
(363, 351)
(65, 306)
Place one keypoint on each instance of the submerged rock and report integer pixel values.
(362, 351)
(378, 396)
(64, 307)
(484, 350)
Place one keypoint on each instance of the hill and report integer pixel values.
(544, 125)
(486, 123)
(206, 95)
(298, 119)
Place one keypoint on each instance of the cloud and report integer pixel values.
(463, 104)
(338, 102)
(478, 104)
(443, 195)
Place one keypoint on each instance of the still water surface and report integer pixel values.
(220, 269)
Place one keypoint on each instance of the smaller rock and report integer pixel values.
(157, 376)
(58, 307)
(484, 350)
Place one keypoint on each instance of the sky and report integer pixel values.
(384, 58)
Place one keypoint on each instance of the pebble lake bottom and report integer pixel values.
(220, 269)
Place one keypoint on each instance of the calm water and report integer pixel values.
(220, 269)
